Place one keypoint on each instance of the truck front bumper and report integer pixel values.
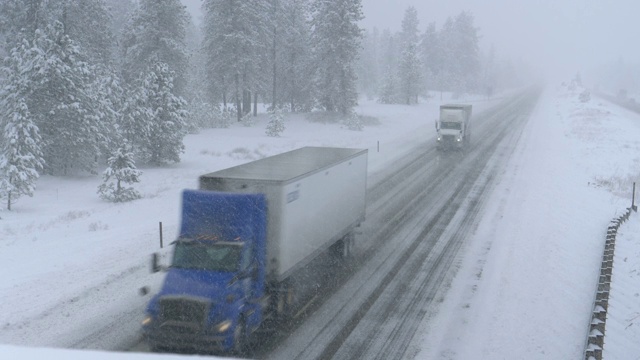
(449, 144)
(159, 340)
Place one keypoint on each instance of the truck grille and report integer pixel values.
(448, 138)
(183, 315)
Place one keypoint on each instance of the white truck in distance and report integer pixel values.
(453, 127)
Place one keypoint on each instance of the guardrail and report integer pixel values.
(595, 337)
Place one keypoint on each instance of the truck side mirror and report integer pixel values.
(436, 124)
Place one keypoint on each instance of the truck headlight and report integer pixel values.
(147, 320)
(458, 139)
(223, 326)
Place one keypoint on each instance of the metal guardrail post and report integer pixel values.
(595, 338)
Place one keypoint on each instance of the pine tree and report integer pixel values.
(121, 20)
(410, 76)
(354, 122)
(467, 50)
(460, 64)
(121, 170)
(289, 55)
(157, 32)
(368, 71)
(21, 157)
(410, 67)
(88, 23)
(336, 37)
(60, 101)
(108, 97)
(430, 56)
(448, 74)
(168, 123)
(388, 93)
(234, 43)
(135, 118)
(203, 110)
(19, 19)
(275, 127)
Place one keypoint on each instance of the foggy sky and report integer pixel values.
(555, 36)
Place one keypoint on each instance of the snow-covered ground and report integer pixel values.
(526, 282)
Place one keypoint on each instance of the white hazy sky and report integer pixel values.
(553, 35)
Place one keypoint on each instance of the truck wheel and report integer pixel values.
(345, 246)
(348, 246)
(240, 338)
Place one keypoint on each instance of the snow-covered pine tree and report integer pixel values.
(336, 37)
(202, 109)
(121, 170)
(247, 120)
(467, 50)
(107, 97)
(410, 76)
(60, 101)
(21, 18)
(203, 115)
(21, 159)
(388, 91)
(167, 126)
(489, 76)
(354, 122)
(88, 23)
(295, 56)
(430, 56)
(448, 71)
(157, 32)
(410, 67)
(233, 34)
(135, 117)
(226, 118)
(275, 127)
(388, 61)
(21, 156)
(459, 47)
(368, 72)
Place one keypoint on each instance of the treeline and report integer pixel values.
(86, 84)
(404, 66)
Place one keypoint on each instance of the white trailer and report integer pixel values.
(452, 127)
(315, 198)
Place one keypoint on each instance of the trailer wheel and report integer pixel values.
(344, 246)
(348, 246)
(285, 301)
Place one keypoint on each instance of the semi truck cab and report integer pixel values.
(453, 127)
(213, 294)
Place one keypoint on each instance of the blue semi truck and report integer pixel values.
(244, 234)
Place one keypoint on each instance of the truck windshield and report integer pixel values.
(201, 256)
(453, 125)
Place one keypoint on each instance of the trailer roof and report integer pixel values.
(455, 106)
(288, 165)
